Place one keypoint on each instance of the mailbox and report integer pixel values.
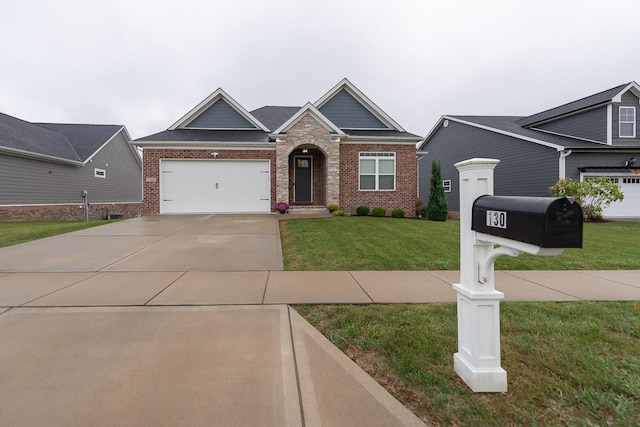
(546, 222)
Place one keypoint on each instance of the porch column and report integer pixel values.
(282, 172)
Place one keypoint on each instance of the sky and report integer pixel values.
(144, 64)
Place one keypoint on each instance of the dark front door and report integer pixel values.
(302, 179)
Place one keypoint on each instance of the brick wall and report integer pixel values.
(71, 212)
(404, 197)
(151, 166)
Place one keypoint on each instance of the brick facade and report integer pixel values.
(405, 195)
(151, 169)
(69, 212)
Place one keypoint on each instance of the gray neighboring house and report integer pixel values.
(593, 136)
(45, 167)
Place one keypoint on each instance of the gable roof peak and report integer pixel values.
(376, 111)
(209, 101)
(308, 108)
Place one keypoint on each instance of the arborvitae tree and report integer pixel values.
(437, 209)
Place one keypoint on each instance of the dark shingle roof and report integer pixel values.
(273, 117)
(20, 135)
(85, 139)
(512, 125)
(580, 104)
(380, 132)
(72, 142)
(204, 135)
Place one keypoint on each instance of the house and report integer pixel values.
(45, 168)
(591, 137)
(221, 158)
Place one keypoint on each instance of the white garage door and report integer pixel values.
(630, 205)
(214, 186)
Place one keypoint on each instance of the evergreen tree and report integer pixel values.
(437, 209)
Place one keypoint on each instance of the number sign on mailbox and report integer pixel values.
(497, 219)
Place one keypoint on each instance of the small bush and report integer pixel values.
(338, 212)
(379, 212)
(333, 207)
(397, 213)
(281, 207)
(593, 194)
(421, 208)
(362, 210)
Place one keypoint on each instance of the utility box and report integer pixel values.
(546, 222)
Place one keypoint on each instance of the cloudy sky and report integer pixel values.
(146, 63)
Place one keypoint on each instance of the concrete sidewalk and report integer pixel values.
(180, 288)
(217, 348)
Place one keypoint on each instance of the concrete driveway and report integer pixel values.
(123, 325)
(156, 243)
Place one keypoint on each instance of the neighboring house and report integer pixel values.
(222, 158)
(46, 167)
(594, 136)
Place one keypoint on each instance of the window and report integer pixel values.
(99, 173)
(447, 185)
(378, 171)
(627, 122)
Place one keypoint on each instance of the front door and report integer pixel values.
(302, 179)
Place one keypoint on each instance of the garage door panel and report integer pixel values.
(630, 205)
(215, 186)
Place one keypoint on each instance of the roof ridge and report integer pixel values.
(566, 104)
(42, 125)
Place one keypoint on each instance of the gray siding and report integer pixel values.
(599, 159)
(628, 100)
(28, 181)
(589, 125)
(220, 115)
(347, 113)
(525, 168)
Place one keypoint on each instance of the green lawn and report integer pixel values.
(571, 364)
(367, 243)
(12, 233)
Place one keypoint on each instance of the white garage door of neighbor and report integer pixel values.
(630, 205)
(214, 186)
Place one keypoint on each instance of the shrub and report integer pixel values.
(333, 207)
(281, 207)
(592, 194)
(437, 210)
(421, 208)
(397, 213)
(340, 213)
(379, 212)
(362, 210)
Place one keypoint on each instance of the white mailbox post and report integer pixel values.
(477, 361)
(531, 225)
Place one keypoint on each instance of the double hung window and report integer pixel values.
(627, 122)
(378, 171)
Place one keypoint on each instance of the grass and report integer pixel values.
(12, 233)
(367, 243)
(574, 363)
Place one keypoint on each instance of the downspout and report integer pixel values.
(418, 175)
(562, 170)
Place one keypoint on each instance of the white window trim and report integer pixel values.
(620, 122)
(99, 173)
(385, 156)
(446, 184)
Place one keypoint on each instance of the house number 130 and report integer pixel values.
(497, 219)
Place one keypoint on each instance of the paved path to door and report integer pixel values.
(183, 320)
